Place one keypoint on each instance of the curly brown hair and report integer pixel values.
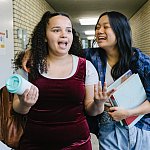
(39, 48)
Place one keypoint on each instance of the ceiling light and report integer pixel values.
(88, 21)
(90, 37)
(89, 32)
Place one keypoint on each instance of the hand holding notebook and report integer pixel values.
(129, 94)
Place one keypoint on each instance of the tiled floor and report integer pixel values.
(94, 141)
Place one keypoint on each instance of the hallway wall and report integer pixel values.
(140, 24)
(26, 14)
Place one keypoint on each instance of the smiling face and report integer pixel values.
(105, 37)
(59, 35)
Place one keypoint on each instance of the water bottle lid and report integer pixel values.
(13, 83)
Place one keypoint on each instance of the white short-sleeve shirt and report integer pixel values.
(91, 73)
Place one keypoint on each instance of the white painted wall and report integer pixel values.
(6, 40)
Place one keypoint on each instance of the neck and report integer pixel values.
(112, 57)
(58, 60)
(59, 66)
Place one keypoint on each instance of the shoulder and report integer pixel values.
(89, 64)
(83, 60)
(143, 60)
(141, 56)
(141, 64)
(90, 52)
(91, 74)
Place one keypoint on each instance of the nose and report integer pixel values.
(100, 30)
(63, 34)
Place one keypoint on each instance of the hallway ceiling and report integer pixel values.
(93, 8)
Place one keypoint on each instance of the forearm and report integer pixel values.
(19, 107)
(140, 110)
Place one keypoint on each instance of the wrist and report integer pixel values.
(129, 113)
(99, 106)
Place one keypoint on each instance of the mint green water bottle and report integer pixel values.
(17, 84)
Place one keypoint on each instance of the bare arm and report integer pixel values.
(119, 113)
(25, 60)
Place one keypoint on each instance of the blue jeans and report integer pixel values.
(113, 136)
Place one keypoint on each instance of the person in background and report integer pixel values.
(18, 64)
(114, 56)
(112, 59)
(68, 86)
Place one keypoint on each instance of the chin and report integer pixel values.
(101, 45)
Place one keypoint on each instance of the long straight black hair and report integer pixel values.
(120, 25)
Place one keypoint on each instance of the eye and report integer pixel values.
(97, 27)
(106, 27)
(69, 30)
(56, 30)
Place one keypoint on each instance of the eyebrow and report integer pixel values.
(104, 23)
(60, 27)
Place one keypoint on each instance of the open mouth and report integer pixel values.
(102, 38)
(62, 45)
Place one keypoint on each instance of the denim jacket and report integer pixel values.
(140, 63)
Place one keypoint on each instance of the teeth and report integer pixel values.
(102, 38)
